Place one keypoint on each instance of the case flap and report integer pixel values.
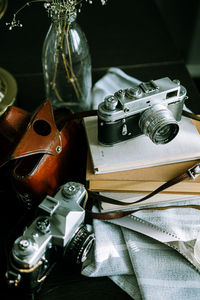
(41, 135)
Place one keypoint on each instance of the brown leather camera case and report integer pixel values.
(40, 147)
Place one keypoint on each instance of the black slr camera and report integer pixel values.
(58, 230)
(152, 108)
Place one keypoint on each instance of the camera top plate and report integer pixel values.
(136, 99)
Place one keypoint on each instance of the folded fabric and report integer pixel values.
(111, 258)
(114, 80)
(144, 267)
(141, 266)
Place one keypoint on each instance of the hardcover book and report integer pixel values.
(143, 180)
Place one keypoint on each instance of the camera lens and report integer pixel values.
(159, 124)
(81, 244)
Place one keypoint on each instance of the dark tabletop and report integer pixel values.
(129, 34)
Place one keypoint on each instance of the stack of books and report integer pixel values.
(131, 169)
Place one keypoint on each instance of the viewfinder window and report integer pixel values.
(172, 94)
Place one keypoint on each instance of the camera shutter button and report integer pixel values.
(111, 102)
(24, 244)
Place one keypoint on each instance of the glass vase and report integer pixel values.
(67, 64)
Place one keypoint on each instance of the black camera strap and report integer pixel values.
(81, 115)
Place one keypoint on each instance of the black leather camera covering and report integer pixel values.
(111, 133)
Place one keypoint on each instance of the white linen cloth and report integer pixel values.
(142, 266)
(114, 80)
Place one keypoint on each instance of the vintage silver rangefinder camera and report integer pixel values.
(153, 108)
(58, 230)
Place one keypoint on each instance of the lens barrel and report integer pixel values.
(158, 124)
(81, 244)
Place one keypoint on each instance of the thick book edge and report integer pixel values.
(157, 173)
(190, 187)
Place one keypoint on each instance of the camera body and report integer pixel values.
(153, 108)
(58, 230)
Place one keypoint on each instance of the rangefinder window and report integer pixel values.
(172, 94)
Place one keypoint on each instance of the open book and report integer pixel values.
(141, 152)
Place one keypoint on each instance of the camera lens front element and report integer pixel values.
(158, 124)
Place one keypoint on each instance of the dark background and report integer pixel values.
(182, 19)
(147, 39)
(128, 34)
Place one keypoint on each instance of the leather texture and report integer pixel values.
(40, 150)
(13, 124)
(41, 136)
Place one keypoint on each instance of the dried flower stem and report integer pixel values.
(27, 4)
(73, 78)
(59, 46)
(68, 66)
